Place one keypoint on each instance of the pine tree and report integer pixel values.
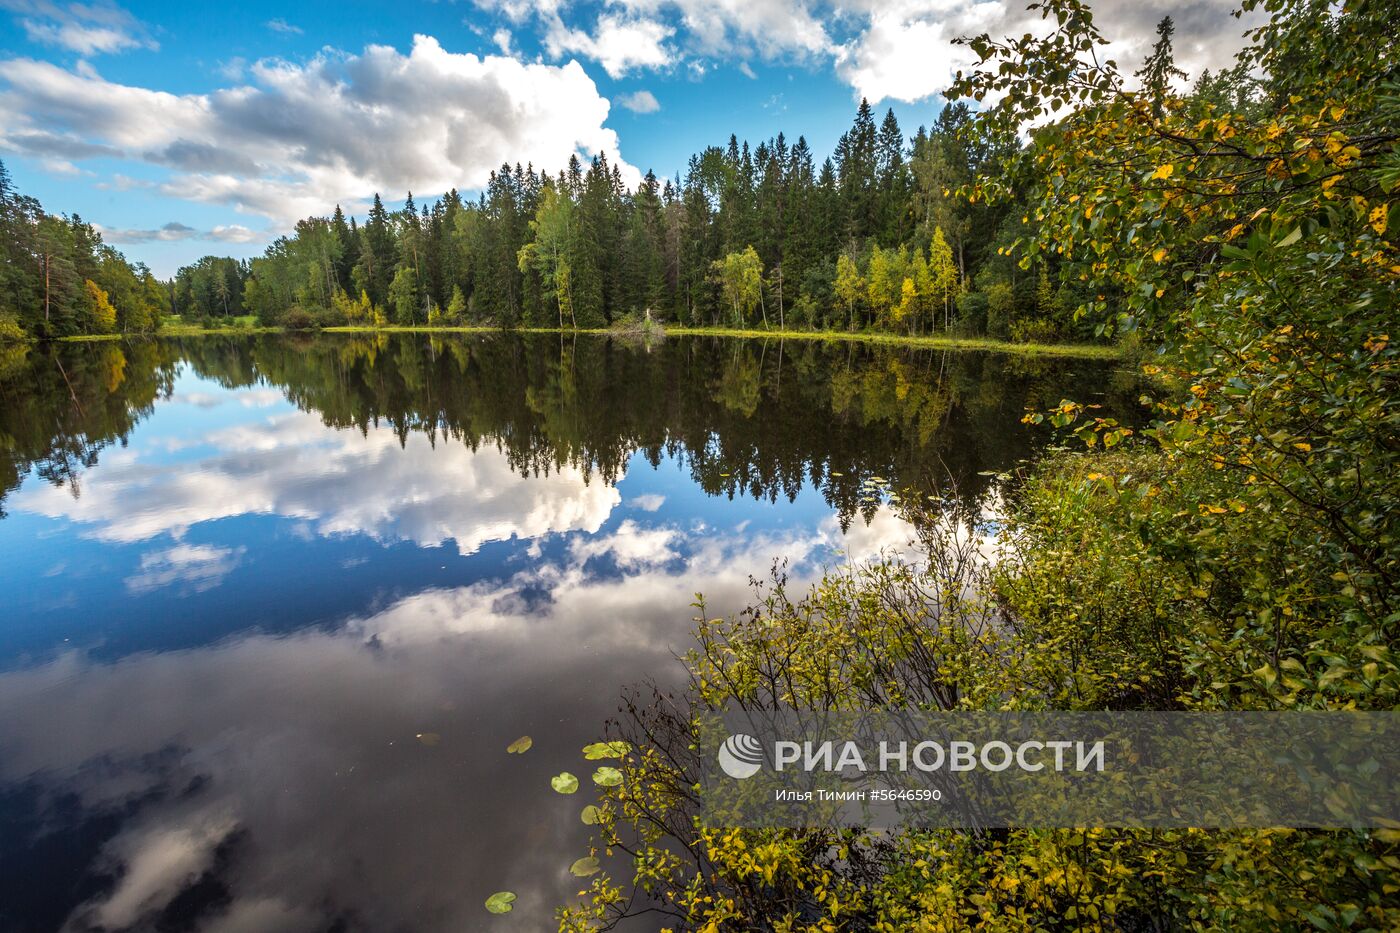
(1160, 68)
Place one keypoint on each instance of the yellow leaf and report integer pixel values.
(1164, 171)
(1159, 254)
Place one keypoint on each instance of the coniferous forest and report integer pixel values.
(749, 236)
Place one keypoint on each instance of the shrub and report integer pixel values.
(298, 319)
(1034, 330)
(1001, 305)
(972, 313)
(10, 331)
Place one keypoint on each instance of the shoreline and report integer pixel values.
(1088, 351)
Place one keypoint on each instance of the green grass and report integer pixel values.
(1097, 351)
(1091, 351)
(175, 327)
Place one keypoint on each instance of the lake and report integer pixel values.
(274, 606)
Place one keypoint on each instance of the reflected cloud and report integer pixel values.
(630, 545)
(282, 772)
(650, 502)
(199, 399)
(660, 569)
(198, 567)
(337, 481)
(155, 866)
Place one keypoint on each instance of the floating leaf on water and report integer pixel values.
(564, 783)
(520, 746)
(428, 738)
(590, 815)
(607, 777)
(585, 867)
(834, 473)
(605, 750)
(502, 902)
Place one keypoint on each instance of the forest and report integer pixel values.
(57, 277)
(749, 236)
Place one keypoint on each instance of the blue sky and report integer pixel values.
(184, 129)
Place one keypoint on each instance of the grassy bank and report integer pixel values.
(1087, 351)
(936, 343)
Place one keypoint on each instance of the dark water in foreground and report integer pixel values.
(271, 608)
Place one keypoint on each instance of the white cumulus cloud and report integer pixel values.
(85, 28)
(302, 137)
(640, 102)
(620, 45)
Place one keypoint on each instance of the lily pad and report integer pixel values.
(607, 777)
(520, 746)
(428, 738)
(585, 867)
(605, 750)
(589, 815)
(502, 902)
(564, 783)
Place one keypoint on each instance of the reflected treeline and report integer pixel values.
(61, 404)
(760, 418)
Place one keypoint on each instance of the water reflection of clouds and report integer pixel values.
(197, 567)
(279, 775)
(656, 570)
(338, 481)
(284, 770)
(650, 502)
(247, 398)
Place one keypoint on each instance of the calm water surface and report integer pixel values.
(273, 607)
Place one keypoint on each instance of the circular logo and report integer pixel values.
(741, 756)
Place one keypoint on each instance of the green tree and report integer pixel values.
(740, 279)
(850, 287)
(104, 315)
(457, 306)
(403, 296)
(944, 275)
(547, 254)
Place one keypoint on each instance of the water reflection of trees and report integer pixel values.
(747, 418)
(59, 407)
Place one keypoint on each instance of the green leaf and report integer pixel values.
(502, 902)
(605, 750)
(585, 867)
(607, 777)
(564, 783)
(590, 815)
(520, 746)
